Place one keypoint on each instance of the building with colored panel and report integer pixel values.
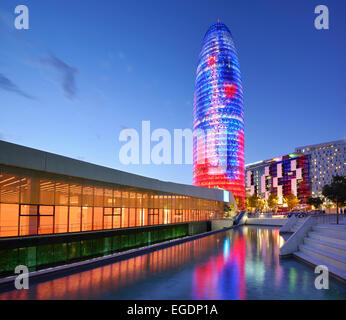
(326, 160)
(219, 115)
(44, 194)
(284, 175)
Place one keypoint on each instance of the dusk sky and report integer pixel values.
(85, 70)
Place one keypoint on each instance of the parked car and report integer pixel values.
(301, 214)
(290, 214)
(298, 214)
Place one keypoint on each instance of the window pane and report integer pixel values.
(30, 191)
(125, 199)
(139, 217)
(88, 196)
(125, 218)
(74, 219)
(116, 220)
(61, 214)
(98, 197)
(161, 216)
(108, 211)
(117, 199)
(87, 218)
(47, 192)
(28, 225)
(61, 193)
(108, 197)
(9, 220)
(139, 203)
(98, 218)
(9, 188)
(107, 224)
(31, 210)
(46, 210)
(75, 195)
(132, 203)
(45, 224)
(145, 217)
(132, 217)
(168, 217)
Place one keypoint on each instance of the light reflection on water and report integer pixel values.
(238, 264)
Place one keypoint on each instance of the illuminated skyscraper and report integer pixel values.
(219, 115)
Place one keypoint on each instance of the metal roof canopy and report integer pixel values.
(28, 158)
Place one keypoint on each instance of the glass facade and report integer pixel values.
(53, 254)
(219, 115)
(38, 203)
(282, 176)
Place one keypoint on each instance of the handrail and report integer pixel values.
(328, 218)
(293, 242)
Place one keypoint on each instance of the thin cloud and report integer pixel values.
(67, 73)
(7, 85)
(9, 137)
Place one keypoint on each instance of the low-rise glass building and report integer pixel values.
(43, 193)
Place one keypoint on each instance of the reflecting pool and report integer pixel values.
(242, 263)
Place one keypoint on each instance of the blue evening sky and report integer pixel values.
(86, 69)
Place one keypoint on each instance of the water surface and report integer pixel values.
(242, 263)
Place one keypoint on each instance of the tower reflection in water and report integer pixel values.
(245, 257)
(223, 266)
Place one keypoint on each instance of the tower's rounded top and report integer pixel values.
(217, 27)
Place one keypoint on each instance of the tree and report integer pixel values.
(316, 202)
(239, 202)
(291, 200)
(252, 202)
(247, 204)
(336, 192)
(260, 204)
(273, 202)
(228, 209)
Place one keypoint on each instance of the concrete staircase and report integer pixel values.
(297, 224)
(325, 245)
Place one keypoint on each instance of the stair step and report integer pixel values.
(328, 236)
(329, 259)
(335, 229)
(326, 246)
(316, 262)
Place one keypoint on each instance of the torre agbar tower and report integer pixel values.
(218, 142)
